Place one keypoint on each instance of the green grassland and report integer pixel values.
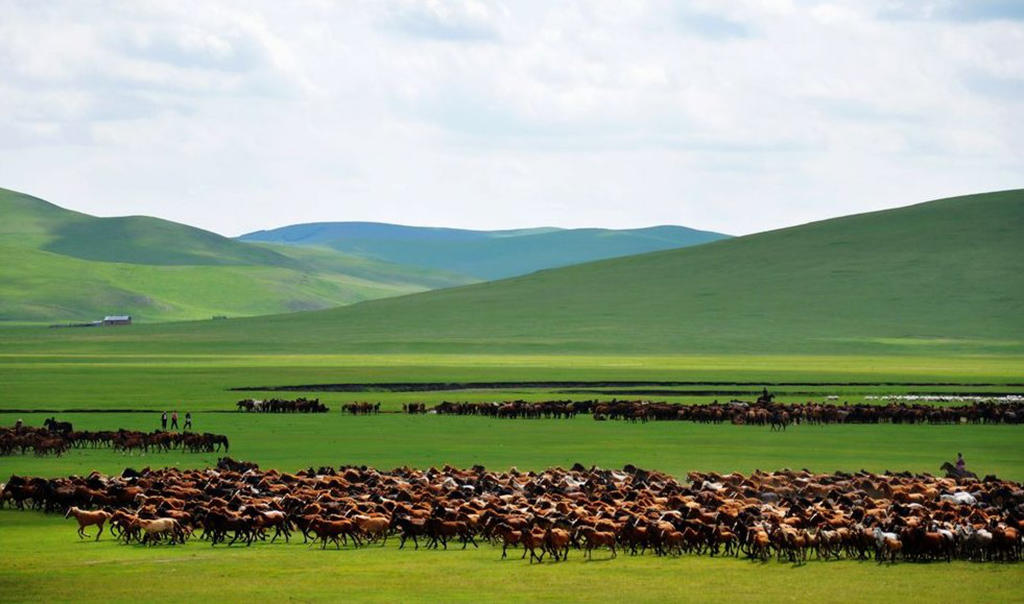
(291, 442)
(35, 374)
(47, 287)
(44, 560)
(63, 266)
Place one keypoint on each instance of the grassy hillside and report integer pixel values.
(935, 278)
(62, 266)
(486, 255)
(146, 240)
(42, 286)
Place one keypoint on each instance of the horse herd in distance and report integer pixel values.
(763, 412)
(787, 515)
(57, 438)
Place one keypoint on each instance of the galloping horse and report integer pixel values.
(86, 518)
(952, 471)
(155, 529)
(779, 421)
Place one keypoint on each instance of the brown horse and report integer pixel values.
(86, 518)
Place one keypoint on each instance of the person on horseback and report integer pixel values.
(961, 465)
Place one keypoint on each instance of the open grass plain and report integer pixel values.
(44, 560)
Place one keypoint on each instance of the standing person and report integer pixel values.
(163, 421)
(188, 421)
(174, 420)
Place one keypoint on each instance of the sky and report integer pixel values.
(738, 116)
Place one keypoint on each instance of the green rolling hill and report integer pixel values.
(934, 278)
(63, 266)
(483, 255)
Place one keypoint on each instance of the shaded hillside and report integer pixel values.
(485, 255)
(63, 266)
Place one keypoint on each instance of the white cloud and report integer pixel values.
(736, 116)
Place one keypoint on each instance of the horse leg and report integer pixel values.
(100, 532)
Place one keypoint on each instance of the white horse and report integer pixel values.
(959, 498)
(886, 545)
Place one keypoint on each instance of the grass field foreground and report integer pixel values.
(45, 562)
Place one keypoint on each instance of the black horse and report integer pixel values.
(779, 421)
(954, 472)
(55, 426)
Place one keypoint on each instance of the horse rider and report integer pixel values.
(163, 421)
(17, 426)
(961, 465)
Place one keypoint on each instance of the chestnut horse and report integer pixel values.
(86, 518)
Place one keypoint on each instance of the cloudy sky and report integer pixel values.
(736, 116)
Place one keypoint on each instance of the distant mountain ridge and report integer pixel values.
(319, 233)
(942, 277)
(484, 255)
(64, 266)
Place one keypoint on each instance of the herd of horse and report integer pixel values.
(276, 405)
(786, 515)
(303, 405)
(47, 441)
(361, 408)
(763, 412)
